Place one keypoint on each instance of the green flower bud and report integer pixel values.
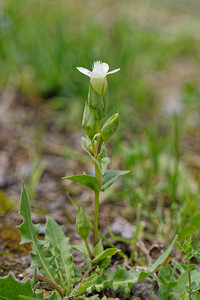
(99, 84)
(83, 226)
(98, 103)
(88, 123)
(109, 127)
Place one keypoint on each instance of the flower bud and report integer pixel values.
(109, 127)
(99, 84)
(88, 122)
(98, 103)
(83, 226)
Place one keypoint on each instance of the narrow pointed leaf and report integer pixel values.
(104, 254)
(87, 180)
(160, 261)
(110, 177)
(41, 257)
(84, 285)
(57, 239)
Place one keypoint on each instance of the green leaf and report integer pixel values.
(82, 248)
(58, 240)
(39, 296)
(87, 180)
(183, 279)
(120, 279)
(104, 254)
(10, 288)
(98, 249)
(29, 298)
(179, 265)
(85, 143)
(84, 285)
(102, 161)
(40, 256)
(110, 177)
(158, 263)
(83, 226)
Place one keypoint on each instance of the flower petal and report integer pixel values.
(84, 71)
(105, 67)
(100, 69)
(114, 71)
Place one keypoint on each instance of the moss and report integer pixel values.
(5, 204)
(10, 237)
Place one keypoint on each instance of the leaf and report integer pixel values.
(84, 285)
(104, 254)
(125, 279)
(85, 142)
(102, 161)
(87, 180)
(29, 298)
(40, 296)
(57, 239)
(183, 279)
(10, 288)
(98, 249)
(158, 263)
(120, 279)
(40, 256)
(82, 248)
(83, 226)
(110, 177)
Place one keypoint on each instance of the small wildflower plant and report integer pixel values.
(96, 107)
(52, 257)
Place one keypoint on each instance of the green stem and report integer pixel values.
(98, 126)
(49, 282)
(190, 285)
(139, 209)
(96, 218)
(99, 178)
(88, 249)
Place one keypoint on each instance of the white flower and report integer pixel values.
(98, 76)
(99, 70)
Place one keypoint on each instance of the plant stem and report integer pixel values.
(99, 178)
(190, 285)
(98, 128)
(139, 209)
(86, 274)
(49, 282)
(88, 249)
(96, 218)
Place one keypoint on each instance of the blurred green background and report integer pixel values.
(157, 46)
(155, 43)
